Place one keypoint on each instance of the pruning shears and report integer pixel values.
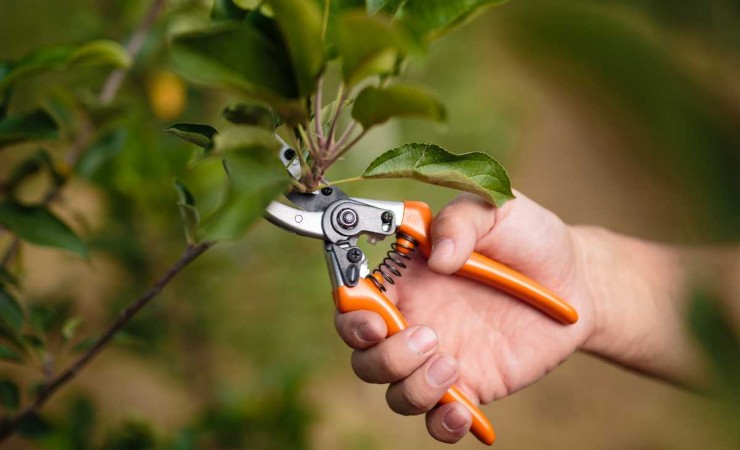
(339, 220)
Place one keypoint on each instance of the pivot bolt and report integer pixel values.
(327, 191)
(387, 217)
(289, 154)
(347, 218)
(354, 255)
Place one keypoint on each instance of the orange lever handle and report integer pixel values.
(417, 219)
(365, 296)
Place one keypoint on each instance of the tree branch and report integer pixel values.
(189, 255)
(115, 79)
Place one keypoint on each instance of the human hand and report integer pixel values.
(461, 332)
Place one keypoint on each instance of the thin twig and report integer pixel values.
(189, 255)
(325, 21)
(317, 114)
(347, 133)
(340, 102)
(115, 79)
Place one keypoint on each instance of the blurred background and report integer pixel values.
(624, 114)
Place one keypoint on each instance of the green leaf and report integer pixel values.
(472, 172)
(11, 314)
(31, 166)
(10, 396)
(256, 177)
(195, 133)
(241, 58)
(95, 53)
(30, 126)
(431, 19)
(246, 114)
(374, 106)
(100, 53)
(388, 7)
(9, 354)
(227, 10)
(39, 226)
(368, 46)
(188, 213)
(300, 23)
(70, 327)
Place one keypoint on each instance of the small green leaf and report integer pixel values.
(241, 58)
(245, 114)
(374, 106)
(300, 23)
(30, 126)
(9, 354)
(70, 327)
(11, 314)
(472, 172)
(368, 46)
(256, 177)
(433, 18)
(388, 7)
(10, 396)
(95, 53)
(100, 53)
(188, 213)
(195, 133)
(39, 226)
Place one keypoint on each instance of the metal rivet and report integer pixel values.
(298, 218)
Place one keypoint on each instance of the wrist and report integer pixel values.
(637, 290)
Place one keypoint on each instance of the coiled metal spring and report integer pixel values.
(394, 261)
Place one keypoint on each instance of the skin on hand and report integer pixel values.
(486, 342)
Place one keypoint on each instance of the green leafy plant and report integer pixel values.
(279, 55)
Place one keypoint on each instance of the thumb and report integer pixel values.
(456, 230)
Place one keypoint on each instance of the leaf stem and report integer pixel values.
(317, 113)
(343, 181)
(341, 94)
(191, 253)
(325, 21)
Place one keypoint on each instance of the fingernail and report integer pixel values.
(442, 249)
(454, 420)
(442, 371)
(422, 340)
(366, 333)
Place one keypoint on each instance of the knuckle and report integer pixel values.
(403, 401)
(387, 364)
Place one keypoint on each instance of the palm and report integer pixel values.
(502, 344)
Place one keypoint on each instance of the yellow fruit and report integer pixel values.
(167, 94)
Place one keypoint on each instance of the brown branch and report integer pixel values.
(189, 255)
(115, 79)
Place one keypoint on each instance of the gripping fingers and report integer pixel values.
(396, 357)
(420, 391)
(449, 423)
(360, 329)
(456, 230)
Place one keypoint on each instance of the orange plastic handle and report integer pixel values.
(365, 296)
(417, 219)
